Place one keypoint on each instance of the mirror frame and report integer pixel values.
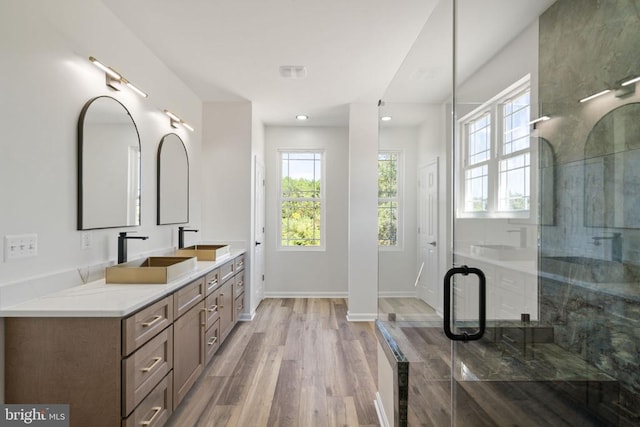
(80, 169)
(159, 179)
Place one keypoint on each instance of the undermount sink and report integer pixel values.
(205, 252)
(157, 270)
(591, 270)
(503, 252)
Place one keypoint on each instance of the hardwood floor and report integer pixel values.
(298, 363)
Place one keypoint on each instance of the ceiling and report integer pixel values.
(231, 50)
(353, 50)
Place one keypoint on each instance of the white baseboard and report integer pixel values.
(382, 416)
(303, 294)
(247, 317)
(361, 317)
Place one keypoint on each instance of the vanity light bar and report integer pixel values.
(595, 95)
(175, 120)
(632, 81)
(135, 88)
(539, 119)
(114, 77)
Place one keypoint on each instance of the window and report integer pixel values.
(302, 200)
(389, 199)
(496, 156)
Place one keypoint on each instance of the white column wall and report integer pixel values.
(363, 212)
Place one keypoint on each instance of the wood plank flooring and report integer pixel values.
(298, 363)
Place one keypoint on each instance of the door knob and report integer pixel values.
(258, 243)
(433, 243)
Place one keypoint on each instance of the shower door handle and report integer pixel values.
(482, 303)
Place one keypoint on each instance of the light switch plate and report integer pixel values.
(20, 246)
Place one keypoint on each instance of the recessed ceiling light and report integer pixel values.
(385, 118)
(302, 117)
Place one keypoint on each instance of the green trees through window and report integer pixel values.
(388, 198)
(301, 199)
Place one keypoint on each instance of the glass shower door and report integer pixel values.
(519, 121)
(541, 304)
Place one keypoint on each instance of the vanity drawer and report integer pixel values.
(238, 287)
(145, 324)
(211, 309)
(239, 263)
(188, 296)
(155, 409)
(212, 280)
(212, 340)
(226, 271)
(144, 369)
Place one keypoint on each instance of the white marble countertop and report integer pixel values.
(99, 299)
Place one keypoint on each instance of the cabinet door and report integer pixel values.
(225, 308)
(188, 351)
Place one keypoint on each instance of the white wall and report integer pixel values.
(309, 273)
(47, 78)
(397, 266)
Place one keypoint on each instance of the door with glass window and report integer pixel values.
(540, 274)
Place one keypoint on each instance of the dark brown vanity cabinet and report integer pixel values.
(129, 371)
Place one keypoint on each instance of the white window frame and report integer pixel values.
(322, 200)
(493, 107)
(399, 246)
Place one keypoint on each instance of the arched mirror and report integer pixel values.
(612, 170)
(108, 166)
(173, 181)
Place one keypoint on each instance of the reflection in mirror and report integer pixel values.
(173, 181)
(108, 166)
(612, 170)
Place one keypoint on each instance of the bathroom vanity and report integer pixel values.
(122, 354)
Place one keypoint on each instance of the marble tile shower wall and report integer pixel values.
(584, 47)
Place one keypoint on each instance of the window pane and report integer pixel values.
(476, 189)
(514, 183)
(301, 198)
(301, 174)
(387, 223)
(479, 139)
(388, 167)
(387, 175)
(516, 124)
(300, 223)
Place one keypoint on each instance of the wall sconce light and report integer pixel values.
(595, 95)
(114, 79)
(631, 81)
(175, 121)
(540, 119)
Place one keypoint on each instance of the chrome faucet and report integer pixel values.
(616, 245)
(122, 245)
(523, 236)
(181, 231)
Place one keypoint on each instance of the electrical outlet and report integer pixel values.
(85, 240)
(20, 246)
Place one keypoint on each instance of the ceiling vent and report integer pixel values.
(293, 71)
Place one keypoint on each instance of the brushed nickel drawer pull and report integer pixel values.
(212, 341)
(156, 410)
(213, 308)
(155, 319)
(156, 360)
